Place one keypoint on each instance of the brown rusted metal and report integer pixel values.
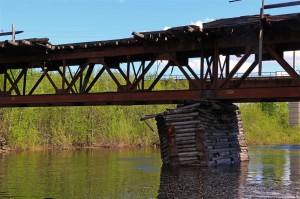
(134, 58)
(247, 73)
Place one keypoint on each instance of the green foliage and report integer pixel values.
(62, 127)
(267, 124)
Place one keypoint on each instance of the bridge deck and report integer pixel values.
(208, 58)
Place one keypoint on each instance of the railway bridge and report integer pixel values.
(210, 58)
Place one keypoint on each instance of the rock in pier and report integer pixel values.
(206, 133)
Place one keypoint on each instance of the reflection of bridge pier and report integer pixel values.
(188, 182)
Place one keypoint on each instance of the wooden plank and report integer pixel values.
(179, 115)
(187, 107)
(186, 149)
(186, 146)
(184, 134)
(179, 143)
(178, 119)
(280, 5)
(192, 138)
(186, 154)
(182, 123)
(188, 130)
(188, 158)
(181, 127)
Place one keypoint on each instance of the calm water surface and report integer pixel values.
(273, 172)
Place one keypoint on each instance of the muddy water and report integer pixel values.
(273, 172)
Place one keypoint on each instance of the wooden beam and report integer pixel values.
(280, 5)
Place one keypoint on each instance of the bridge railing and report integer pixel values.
(275, 74)
(266, 74)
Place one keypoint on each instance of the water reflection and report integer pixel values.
(273, 172)
(225, 182)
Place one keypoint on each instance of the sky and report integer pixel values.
(70, 21)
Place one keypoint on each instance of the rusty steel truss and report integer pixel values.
(77, 72)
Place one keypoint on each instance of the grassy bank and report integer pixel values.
(65, 127)
(268, 124)
(115, 126)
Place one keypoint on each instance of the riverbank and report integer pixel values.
(6, 148)
(251, 142)
(268, 124)
(119, 126)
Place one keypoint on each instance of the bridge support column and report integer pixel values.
(206, 133)
(294, 114)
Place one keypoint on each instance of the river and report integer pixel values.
(272, 172)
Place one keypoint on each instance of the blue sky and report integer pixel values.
(65, 21)
(68, 21)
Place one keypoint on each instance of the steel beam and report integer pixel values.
(246, 74)
(237, 67)
(284, 65)
(124, 98)
(288, 93)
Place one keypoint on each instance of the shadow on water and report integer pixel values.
(225, 182)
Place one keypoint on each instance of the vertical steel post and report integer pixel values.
(215, 65)
(5, 81)
(261, 38)
(128, 71)
(294, 60)
(13, 32)
(227, 60)
(80, 82)
(143, 78)
(202, 64)
(64, 76)
(25, 82)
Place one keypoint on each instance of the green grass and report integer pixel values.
(267, 124)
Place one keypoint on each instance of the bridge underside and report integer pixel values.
(283, 94)
(219, 61)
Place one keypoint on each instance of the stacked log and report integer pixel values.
(3, 146)
(205, 133)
